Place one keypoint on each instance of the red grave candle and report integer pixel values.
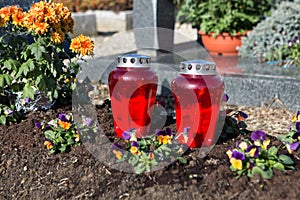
(132, 88)
(198, 92)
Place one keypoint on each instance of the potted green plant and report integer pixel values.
(222, 20)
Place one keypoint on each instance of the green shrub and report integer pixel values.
(266, 40)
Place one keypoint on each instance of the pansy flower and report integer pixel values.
(260, 139)
(225, 97)
(296, 118)
(38, 125)
(49, 144)
(253, 151)
(292, 147)
(242, 116)
(88, 121)
(151, 155)
(134, 148)
(296, 136)
(77, 137)
(236, 160)
(64, 125)
(126, 135)
(8, 112)
(297, 126)
(242, 145)
(26, 101)
(229, 152)
(164, 136)
(117, 149)
(62, 117)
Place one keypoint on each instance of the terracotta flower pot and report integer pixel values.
(223, 44)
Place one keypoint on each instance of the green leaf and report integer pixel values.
(25, 68)
(268, 173)
(182, 160)
(62, 148)
(11, 64)
(273, 151)
(3, 119)
(37, 50)
(28, 91)
(5, 79)
(50, 135)
(278, 166)
(286, 160)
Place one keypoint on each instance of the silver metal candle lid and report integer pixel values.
(134, 60)
(198, 67)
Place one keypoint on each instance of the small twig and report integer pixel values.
(236, 194)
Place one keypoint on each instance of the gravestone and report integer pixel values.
(153, 23)
(24, 4)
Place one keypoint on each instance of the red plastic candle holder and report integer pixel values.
(198, 91)
(132, 88)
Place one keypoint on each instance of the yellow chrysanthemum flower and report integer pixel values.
(83, 45)
(236, 163)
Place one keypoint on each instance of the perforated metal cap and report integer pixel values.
(134, 60)
(198, 67)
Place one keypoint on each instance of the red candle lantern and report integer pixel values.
(198, 91)
(132, 88)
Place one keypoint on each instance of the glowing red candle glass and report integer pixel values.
(198, 92)
(132, 88)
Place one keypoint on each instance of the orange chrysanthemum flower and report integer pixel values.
(57, 37)
(64, 125)
(40, 27)
(18, 18)
(83, 45)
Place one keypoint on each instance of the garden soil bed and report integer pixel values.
(28, 171)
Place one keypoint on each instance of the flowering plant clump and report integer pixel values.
(145, 153)
(33, 48)
(62, 132)
(7, 114)
(292, 138)
(254, 157)
(292, 51)
(234, 122)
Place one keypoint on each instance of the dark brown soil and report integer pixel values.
(28, 171)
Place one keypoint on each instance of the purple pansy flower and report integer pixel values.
(258, 135)
(238, 155)
(26, 100)
(126, 135)
(294, 146)
(225, 97)
(253, 151)
(168, 131)
(38, 125)
(88, 121)
(242, 114)
(186, 129)
(9, 112)
(116, 146)
(298, 126)
(62, 117)
(159, 132)
(296, 135)
(134, 143)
